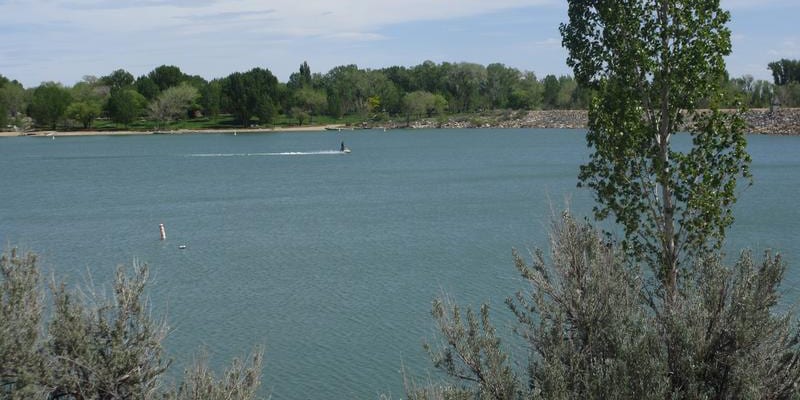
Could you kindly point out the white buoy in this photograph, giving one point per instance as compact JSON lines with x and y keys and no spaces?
{"x":162,"y":231}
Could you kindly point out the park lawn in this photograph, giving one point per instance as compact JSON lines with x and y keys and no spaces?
{"x":223,"y":121}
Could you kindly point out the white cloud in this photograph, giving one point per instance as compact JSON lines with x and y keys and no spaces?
{"x":789,"y":48}
{"x":310,"y":15}
{"x":746,"y":4}
{"x":355,"y":36}
{"x":549,"y":42}
{"x":94,"y":36}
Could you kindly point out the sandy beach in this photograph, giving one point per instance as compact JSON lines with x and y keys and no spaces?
{"x":310,"y":128}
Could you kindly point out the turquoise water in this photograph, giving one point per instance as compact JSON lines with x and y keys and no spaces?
{"x":330,"y":261}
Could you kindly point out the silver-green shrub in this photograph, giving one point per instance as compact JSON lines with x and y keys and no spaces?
{"x":593,"y":327}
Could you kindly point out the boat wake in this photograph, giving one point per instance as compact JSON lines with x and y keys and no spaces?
{"x":287,"y":153}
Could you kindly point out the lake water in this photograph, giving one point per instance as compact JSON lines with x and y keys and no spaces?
{"x":331,"y":261}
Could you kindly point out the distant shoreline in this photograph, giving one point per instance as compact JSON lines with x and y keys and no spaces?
{"x":759,"y":121}
{"x":310,"y":128}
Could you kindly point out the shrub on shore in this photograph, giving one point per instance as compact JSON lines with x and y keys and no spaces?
{"x":593,"y":330}
{"x":95,"y":347}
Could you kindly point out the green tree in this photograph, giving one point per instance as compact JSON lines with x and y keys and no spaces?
{"x":251,"y":94}
{"x":651,"y":64}
{"x":299,"y":114}
{"x":422,"y":104}
{"x":301,"y":79}
{"x":670,"y":203}
{"x":49,"y":104}
{"x":90,"y":89}
{"x":415,"y":104}
{"x":167,"y":76}
{"x":429,"y":77}
{"x":89,"y":96}
{"x":84,"y":112}
{"x":379,"y":86}
{"x":526,"y":93}
{"x":119,"y":79}
{"x":566,"y":93}
{"x":551,"y":89}
{"x":400,"y":76}
{"x":125,"y":105}
{"x":146,"y":87}
{"x":173,"y":103}
{"x":500,"y":82}
{"x":5,"y":101}
{"x":211,"y":98}
{"x":789,"y":94}
{"x":785,"y":71}
{"x":347,"y":89}
{"x":311,"y":101}
{"x":12,"y":99}
{"x":465,"y":82}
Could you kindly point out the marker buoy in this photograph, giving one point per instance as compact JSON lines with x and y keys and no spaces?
{"x":162,"y":231}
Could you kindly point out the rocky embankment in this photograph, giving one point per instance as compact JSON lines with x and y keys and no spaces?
{"x":779,"y":122}
{"x":759,"y":121}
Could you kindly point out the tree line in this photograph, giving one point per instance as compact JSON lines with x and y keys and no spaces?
{"x":256,"y":97}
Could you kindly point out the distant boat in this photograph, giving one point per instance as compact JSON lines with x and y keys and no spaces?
{"x":344,"y":149}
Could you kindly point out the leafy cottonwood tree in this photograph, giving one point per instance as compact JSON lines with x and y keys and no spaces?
{"x":49,"y":103}
{"x":785,"y":71}
{"x":211,"y":98}
{"x":310,"y":101}
{"x":527,"y":92}
{"x":651,"y":63}
{"x":125,"y":105}
{"x":251,"y":94}
{"x":84,"y":112}
{"x":422,"y":104}
{"x":301,"y":79}
{"x":118,"y":79}
{"x":4,"y":112}
{"x":166,"y":76}
{"x":12,"y":101}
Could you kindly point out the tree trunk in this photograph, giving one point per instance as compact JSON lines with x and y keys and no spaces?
{"x":668,"y":257}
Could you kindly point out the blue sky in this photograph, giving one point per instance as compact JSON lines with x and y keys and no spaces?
{"x":63,"y":40}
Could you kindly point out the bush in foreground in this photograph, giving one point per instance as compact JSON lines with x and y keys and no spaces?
{"x":593,"y":331}
{"x":95,"y":347}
